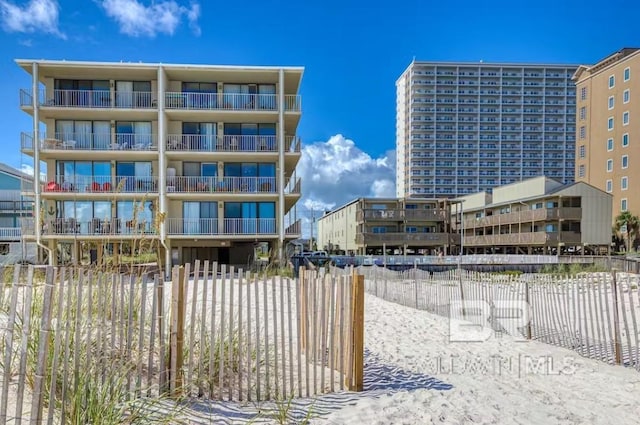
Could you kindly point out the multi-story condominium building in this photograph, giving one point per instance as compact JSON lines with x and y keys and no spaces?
{"x":370,"y":225}
{"x":536,"y":216}
{"x":462,"y":128}
{"x":607,"y":154}
{"x":198,"y":158}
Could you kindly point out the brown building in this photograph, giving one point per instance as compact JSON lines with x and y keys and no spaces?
{"x":608,"y":108}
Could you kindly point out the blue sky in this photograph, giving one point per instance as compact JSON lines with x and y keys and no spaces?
{"x":353,"y":53}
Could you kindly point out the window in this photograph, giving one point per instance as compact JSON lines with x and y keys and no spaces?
{"x":610,"y":123}
{"x":625,"y":118}
{"x":84,"y":135}
{"x":611,"y":102}
{"x":583,"y":151}
{"x":583,"y":93}
{"x":624,"y":183}
{"x":625,"y":140}
{"x":583,"y":113}
{"x":609,"y":185}
{"x":627,"y":74}
{"x":581,"y":171}
{"x":609,"y":144}
{"x":133,"y":94}
{"x":583,"y":132}
{"x":623,"y":204}
{"x":612,"y":81}
{"x":609,"y":165}
{"x":625,"y":96}
{"x":625,"y":161}
{"x":4,"y":249}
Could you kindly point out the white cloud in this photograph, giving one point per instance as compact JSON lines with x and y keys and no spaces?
{"x":27,"y":169}
{"x":35,"y":16}
{"x":337,"y":171}
{"x":137,"y":19}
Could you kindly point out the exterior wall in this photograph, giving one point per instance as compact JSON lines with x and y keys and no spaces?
{"x":338,"y":228}
{"x":593,"y":151}
{"x":9,"y":182}
{"x":476,"y":200}
{"x":597,"y":213}
{"x":533,"y":187}
{"x":470,"y":127}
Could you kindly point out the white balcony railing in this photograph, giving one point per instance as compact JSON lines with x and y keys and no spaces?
{"x":10,"y":233}
{"x":226,"y":226}
{"x":60,"y":98}
{"x":101,"y":184}
{"x":92,"y":142}
{"x":97,"y":226}
{"x":224,"y":143}
{"x":221,"y":101}
{"x":222,"y":184}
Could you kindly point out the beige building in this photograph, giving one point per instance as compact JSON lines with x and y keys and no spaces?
{"x":608,"y":111}
{"x":199,"y":158}
{"x":367,"y":225}
{"x":537,"y":216}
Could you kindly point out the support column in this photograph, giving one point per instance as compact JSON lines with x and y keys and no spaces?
{"x":280,"y":168}
{"x":162,"y":166}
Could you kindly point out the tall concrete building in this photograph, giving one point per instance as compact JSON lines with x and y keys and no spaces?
{"x":199,"y":158}
{"x":607,"y":141}
{"x":463,"y":128}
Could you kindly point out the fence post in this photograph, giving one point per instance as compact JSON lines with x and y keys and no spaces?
{"x":302,"y":313}
{"x":357,"y":326}
{"x":527,"y":302}
{"x":616,"y":324}
{"x":176,"y":332}
{"x":43,"y":347}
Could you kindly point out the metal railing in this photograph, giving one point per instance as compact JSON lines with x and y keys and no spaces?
{"x":292,"y":103}
{"x":221,"y":101}
{"x":10,"y":233}
{"x":92,"y":142}
{"x":225,"y":143}
{"x":294,"y":229}
{"x":401,"y":214}
{"x":100,"y":184}
{"x":294,"y":187}
{"x":526,"y":216}
{"x":225,"y":226}
{"x":62,"y":98}
{"x":97,"y":226}
{"x":222,"y":184}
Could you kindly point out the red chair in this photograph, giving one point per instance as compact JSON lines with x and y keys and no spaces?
{"x":95,"y":187}
{"x":106,"y":187}
{"x":53,"y":187}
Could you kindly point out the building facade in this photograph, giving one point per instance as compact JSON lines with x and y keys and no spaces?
{"x":371,"y":225}
{"x":199,"y":159}
{"x":463,"y":128}
{"x":606,"y":156}
{"x":536,"y":216}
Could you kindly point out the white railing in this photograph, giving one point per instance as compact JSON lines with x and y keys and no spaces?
{"x":292,"y":143}
{"x":249,"y":226}
{"x":92,"y":142}
{"x":135,"y":100}
{"x":100,"y":184}
{"x":221,"y":101}
{"x":10,"y":233}
{"x":26,"y":141}
{"x":89,"y":99}
{"x":192,"y":226}
{"x":97,"y":226}
{"x":211,"y":143}
{"x":231,"y":226}
{"x":293,"y":187}
{"x":292,"y":103}
{"x":222,"y":184}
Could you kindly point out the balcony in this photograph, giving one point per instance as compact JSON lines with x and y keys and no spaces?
{"x":96,"y":227}
{"x":527,"y":216}
{"x":187,"y":184}
{"x":92,"y":142}
{"x":100,"y":99}
{"x":529,"y":238}
{"x":101,"y":184}
{"x":401,"y":214}
{"x":411,"y":239}
{"x":226,"y":226}
{"x":293,"y":187}
{"x":294,"y":230}
{"x":229,"y":143}
{"x":10,"y":233}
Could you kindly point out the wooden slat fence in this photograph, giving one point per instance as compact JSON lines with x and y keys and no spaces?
{"x":225,"y":335}
{"x":594,"y":314}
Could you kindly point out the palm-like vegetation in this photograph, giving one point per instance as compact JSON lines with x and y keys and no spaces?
{"x":630,"y":224}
